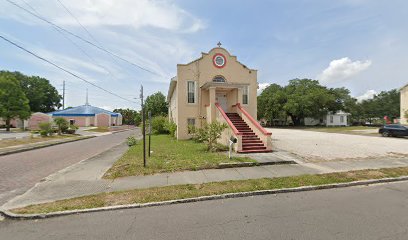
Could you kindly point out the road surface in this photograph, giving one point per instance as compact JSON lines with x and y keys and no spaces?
{"x":369,"y":212}
{"x":21,"y":171}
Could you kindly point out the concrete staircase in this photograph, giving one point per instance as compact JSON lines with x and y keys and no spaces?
{"x":251,"y":143}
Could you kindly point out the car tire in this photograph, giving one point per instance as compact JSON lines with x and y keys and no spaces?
{"x":386,"y":134}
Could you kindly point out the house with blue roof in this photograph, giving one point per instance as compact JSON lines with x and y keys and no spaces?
{"x":88,"y":116}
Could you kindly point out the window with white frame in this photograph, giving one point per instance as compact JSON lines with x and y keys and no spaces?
{"x":245,"y":92}
{"x":191,"y":91}
{"x":331,"y":119}
{"x":342,"y":119}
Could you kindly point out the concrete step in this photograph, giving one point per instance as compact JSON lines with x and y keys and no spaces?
{"x":255,"y":151}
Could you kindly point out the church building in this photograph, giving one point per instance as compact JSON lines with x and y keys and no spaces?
{"x":217,"y":87}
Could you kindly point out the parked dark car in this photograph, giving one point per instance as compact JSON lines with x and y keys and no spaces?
{"x":393,"y":130}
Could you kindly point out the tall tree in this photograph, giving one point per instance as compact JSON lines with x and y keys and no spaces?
{"x":307,"y":98}
{"x":156,"y":103}
{"x":129,"y":116}
{"x":271,"y":102}
{"x":42,"y":96}
{"x":386,"y":103}
{"x":13,"y":102}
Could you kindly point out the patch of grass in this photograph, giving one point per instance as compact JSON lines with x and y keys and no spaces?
{"x":99,"y":129}
{"x":196,"y":190}
{"x":168,"y":155}
{"x":23,"y":141}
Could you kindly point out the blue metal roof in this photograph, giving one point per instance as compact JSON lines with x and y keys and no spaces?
{"x":82,"y":111}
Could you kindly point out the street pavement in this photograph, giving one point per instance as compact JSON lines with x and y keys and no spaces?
{"x":21,"y":171}
{"x":367,"y":212}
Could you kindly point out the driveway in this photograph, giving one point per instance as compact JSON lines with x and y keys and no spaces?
{"x":21,"y":171}
{"x":320,"y":146}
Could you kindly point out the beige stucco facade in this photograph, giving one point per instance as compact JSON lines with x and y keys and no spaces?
{"x":228,"y":84}
{"x":404,"y":104}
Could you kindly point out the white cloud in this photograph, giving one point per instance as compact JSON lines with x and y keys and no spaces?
{"x":262,"y":87}
{"x":367,"y":95}
{"x":95,"y":13}
{"x":342,"y":69}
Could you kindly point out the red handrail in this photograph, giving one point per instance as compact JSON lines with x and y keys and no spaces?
{"x":234,"y":129}
{"x":257,"y":125}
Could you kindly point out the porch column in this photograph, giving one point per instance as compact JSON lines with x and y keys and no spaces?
{"x":239,"y":95}
{"x":212,"y":116}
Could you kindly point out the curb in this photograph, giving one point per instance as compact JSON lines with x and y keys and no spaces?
{"x":11,"y":215}
{"x":252,"y":164}
{"x":43,"y":146}
{"x":123,"y":130}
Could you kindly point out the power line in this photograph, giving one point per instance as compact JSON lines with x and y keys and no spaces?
{"x":76,"y":19}
{"x":73,"y":43}
{"x":63,"y":69}
{"x":82,"y":39}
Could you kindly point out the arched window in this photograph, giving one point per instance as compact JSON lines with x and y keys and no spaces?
{"x":219,"y":79}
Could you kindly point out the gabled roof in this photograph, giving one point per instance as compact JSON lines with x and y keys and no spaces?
{"x":212,"y":50}
{"x":82,"y":111}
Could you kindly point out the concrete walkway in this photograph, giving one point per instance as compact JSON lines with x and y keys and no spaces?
{"x":85,"y":178}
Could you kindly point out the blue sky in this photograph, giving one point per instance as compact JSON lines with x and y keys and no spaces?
{"x":358,"y":44}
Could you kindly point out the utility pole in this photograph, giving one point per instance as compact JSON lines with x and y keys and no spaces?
{"x":143,"y":127}
{"x":150,"y":129}
{"x":63,"y":95}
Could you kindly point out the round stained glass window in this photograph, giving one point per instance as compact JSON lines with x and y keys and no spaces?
{"x":219,"y":60}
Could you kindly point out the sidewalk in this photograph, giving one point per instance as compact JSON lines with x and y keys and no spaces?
{"x":84,"y":178}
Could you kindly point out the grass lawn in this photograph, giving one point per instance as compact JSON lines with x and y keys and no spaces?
{"x":98,"y":129}
{"x":196,"y":190}
{"x":168,"y":155}
{"x":22,"y":141}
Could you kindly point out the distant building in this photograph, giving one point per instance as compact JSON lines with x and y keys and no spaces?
{"x":339,"y":118}
{"x":87,"y":116}
{"x":404,"y":104}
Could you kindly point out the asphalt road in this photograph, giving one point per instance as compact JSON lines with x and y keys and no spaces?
{"x":369,"y":212}
{"x":21,"y":171}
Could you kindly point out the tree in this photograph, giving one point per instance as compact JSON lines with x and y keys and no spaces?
{"x":62,"y":124}
{"x":129,"y":116}
{"x":307,"y":98}
{"x":386,"y":103}
{"x":271,"y":102}
{"x":156,"y":103}
{"x":13,"y":102}
{"x":302,"y":98}
{"x":42,"y":96}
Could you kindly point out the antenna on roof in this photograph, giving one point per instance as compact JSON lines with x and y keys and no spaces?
{"x":87,"y":103}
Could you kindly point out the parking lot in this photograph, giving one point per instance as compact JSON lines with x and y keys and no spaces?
{"x":321,"y":146}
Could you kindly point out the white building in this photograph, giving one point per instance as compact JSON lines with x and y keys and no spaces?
{"x":339,"y":118}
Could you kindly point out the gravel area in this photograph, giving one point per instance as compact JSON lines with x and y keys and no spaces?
{"x":321,"y":146}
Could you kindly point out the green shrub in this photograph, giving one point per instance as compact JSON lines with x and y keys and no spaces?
{"x":62,"y":124}
{"x":209,"y":134}
{"x":45,"y":128}
{"x":43,"y":133}
{"x":159,"y":125}
{"x":131,"y":141}
{"x":171,"y":127}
